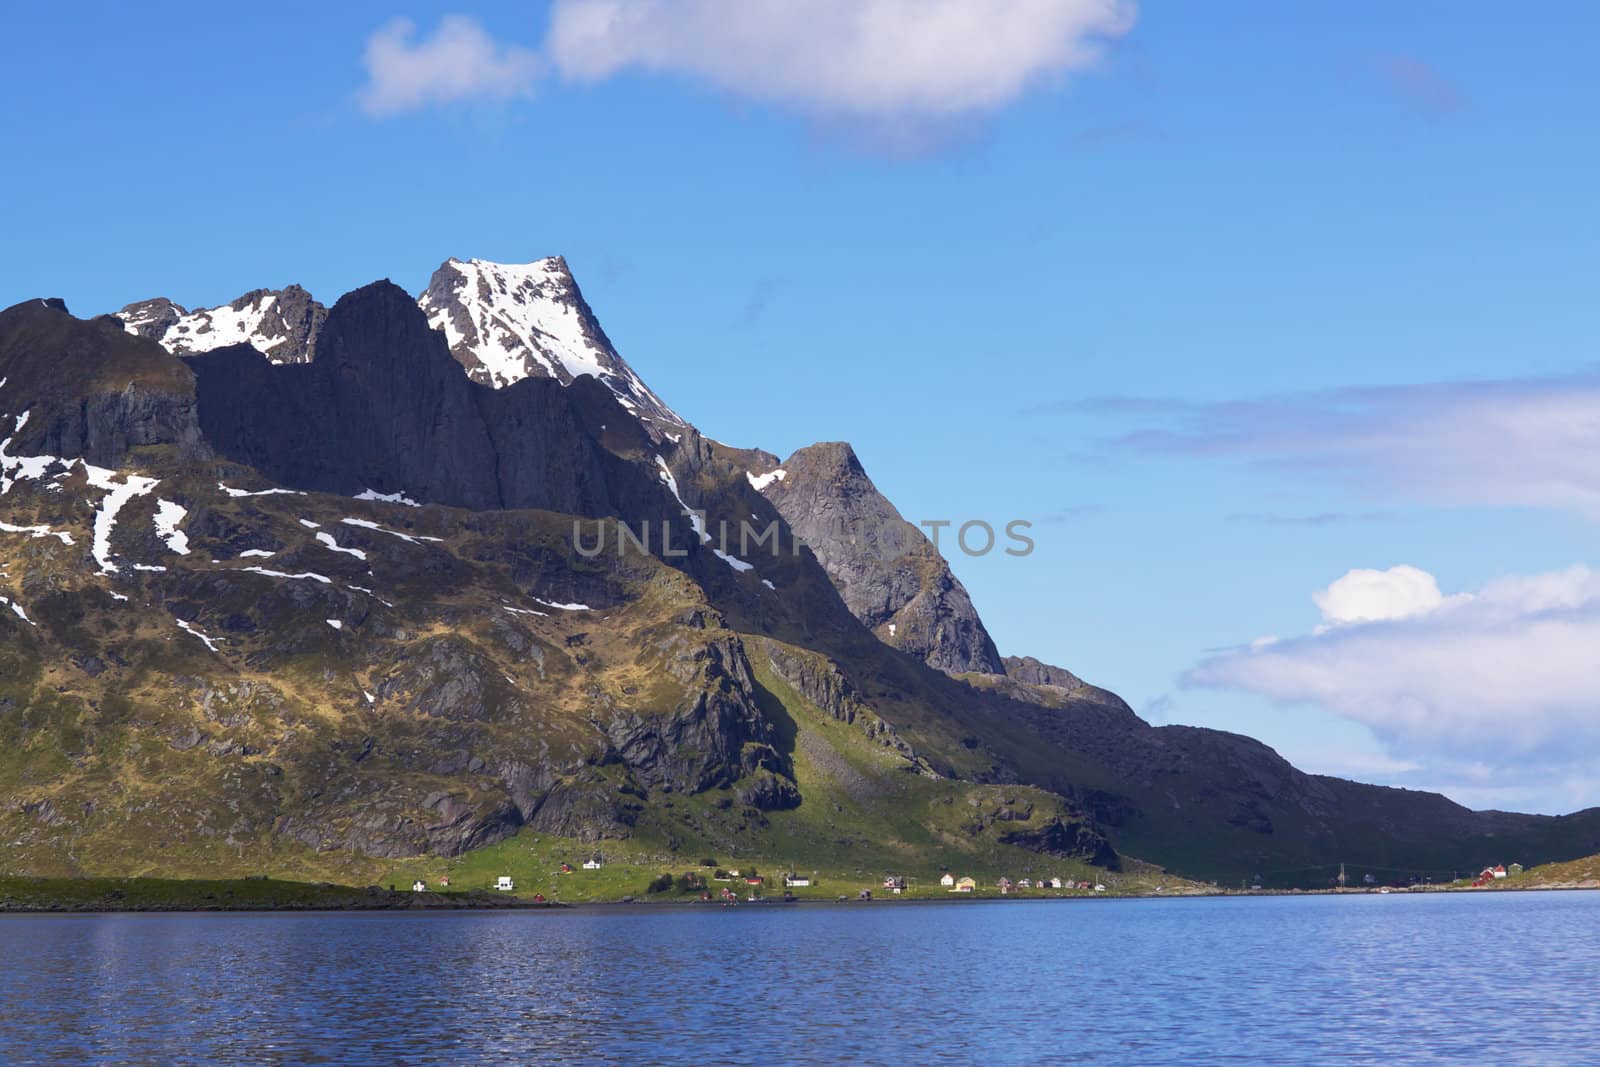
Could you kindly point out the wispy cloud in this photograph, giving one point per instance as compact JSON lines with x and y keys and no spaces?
{"x":1516,"y":442}
{"x":1503,"y":679}
{"x":460,"y":61}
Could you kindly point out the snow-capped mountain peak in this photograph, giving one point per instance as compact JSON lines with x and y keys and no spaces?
{"x":506,"y":322}
{"x":281,"y":324}
{"x":503,"y":321}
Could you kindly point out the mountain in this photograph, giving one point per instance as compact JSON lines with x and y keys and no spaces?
{"x":324,"y":617}
{"x":281,"y":324}
{"x":506,"y":323}
{"x":889,"y":573}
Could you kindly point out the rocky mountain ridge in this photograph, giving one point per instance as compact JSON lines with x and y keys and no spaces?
{"x":337,"y":609}
{"x":508,"y":323}
{"x":281,"y":324}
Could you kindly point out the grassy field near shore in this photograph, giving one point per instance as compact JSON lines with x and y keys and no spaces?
{"x":234,"y":894}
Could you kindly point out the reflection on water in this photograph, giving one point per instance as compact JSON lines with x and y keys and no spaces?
{"x":1373,"y":979}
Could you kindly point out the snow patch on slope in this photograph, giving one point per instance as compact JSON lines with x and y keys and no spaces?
{"x":17,"y":610}
{"x":281,"y":325}
{"x":334,"y":546}
{"x":558,"y":606}
{"x":37,"y":531}
{"x":697,"y":520}
{"x":759,"y":482}
{"x":368,"y":524}
{"x":206,"y":329}
{"x":259,"y":492}
{"x":168,"y":515}
{"x":188,"y":629}
{"x":306,"y":575}
{"x":118,"y":494}
{"x":387,"y":498}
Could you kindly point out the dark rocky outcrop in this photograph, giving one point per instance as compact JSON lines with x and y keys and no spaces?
{"x":716,"y":738}
{"x":91,"y":390}
{"x":1030,"y":671}
{"x":890,"y":575}
{"x":1076,"y":839}
{"x":385,"y":407}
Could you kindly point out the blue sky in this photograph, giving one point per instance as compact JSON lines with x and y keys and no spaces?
{"x":1124,"y":298}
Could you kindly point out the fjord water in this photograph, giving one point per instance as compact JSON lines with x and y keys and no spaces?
{"x":1306,"y":980}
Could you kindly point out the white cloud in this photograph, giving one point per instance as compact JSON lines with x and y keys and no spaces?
{"x":1507,"y":678}
{"x":1368,"y":596}
{"x":459,"y":62}
{"x":877,"y":60}
{"x":1520,"y":442}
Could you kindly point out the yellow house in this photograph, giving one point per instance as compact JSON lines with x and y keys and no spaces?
{"x":965,"y":885}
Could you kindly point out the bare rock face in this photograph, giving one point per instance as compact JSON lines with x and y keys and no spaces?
{"x":385,"y":407}
{"x":1067,"y":839}
{"x":890,"y":575}
{"x":90,"y":390}
{"x":281,"y":324}
{"x":1030,"y":671}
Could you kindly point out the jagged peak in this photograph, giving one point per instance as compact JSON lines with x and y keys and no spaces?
{"x":281,"y":324}
{"x":510,"y":321}
{"x":503,"y":322}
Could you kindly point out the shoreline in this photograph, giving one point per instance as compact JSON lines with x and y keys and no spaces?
{"x":69,"y":896}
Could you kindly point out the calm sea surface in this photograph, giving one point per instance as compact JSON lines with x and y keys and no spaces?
{"x":1509,"y":978}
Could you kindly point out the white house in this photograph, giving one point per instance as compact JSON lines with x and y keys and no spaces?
{"x":419,"y":886}
{"x":591,"y":865}
{"x":796,"y":881}
{"x":948,"y":880}
{"x":505,"y":884}
{"x":1055,"y":883}
{"x":1098,"y":888}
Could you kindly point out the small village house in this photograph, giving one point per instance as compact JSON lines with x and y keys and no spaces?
{"x":795,"y":881}
{"x":504,"y":884}
{"x":1055,"y":883}
{"x":948,"y":880}
{"x":592,"y":865}
{"x":965,"y":885}
{"x":419,"y":886}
